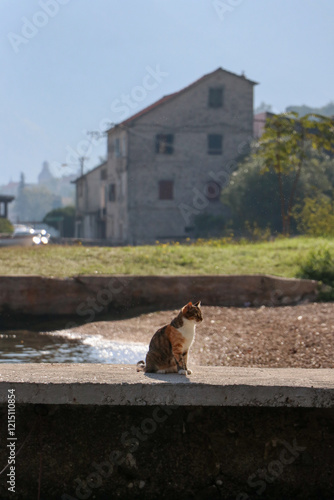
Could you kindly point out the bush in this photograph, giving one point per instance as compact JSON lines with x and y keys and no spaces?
{"x":319,"y":265}
{"x":6,"y":226}
{"x":208,"y":226}
{"x":256,"y":233}
{"x":316,"y":218}
{"x":62,"y":219}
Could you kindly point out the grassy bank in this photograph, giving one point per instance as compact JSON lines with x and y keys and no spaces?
{"x":280,"y":257}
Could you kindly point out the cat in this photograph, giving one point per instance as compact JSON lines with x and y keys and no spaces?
{"x":169,"y":346}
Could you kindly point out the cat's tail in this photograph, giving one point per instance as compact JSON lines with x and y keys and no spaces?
{"x":141,"y":366}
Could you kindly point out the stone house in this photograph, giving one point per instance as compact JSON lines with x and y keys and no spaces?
{"x":168,"y":163}
{"x":91,"y":203}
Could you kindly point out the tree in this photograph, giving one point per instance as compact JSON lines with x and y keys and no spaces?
{"x":252,"y":195}
{"x":284,"y":147}
{"x":6,"y":226}
{"x":316,"y":216}
{"x":62,"y":219}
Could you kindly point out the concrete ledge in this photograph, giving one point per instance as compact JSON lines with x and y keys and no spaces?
{"x":121,"y":385}
{"x":85,"y":296}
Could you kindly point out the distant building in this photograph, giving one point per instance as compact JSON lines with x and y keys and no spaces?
{"x":91,"y":203}
{"x":168,"y":163}
{"x":45,"y":175}
{"x":62,"y":192}
{"x":260,"y":121}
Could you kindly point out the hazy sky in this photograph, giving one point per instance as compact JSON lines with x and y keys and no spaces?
{"x":72,"y":66}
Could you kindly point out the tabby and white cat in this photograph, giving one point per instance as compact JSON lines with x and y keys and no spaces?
{"x":169,"y":346}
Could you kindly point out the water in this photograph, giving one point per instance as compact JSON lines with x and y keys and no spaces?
{"x":21,"y":346}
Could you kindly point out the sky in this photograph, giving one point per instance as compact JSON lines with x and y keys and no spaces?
{"x":69,"y":67}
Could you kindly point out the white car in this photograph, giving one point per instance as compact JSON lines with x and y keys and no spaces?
{"x":24,"y":233}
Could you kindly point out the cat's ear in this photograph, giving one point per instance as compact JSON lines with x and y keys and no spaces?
{"x":186,"y":307}
{"x":198,"y":304}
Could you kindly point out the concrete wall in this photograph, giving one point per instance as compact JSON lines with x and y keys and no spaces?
{"x":87,"y":296}
{"x":101,"y":432}
{"x":199,"y":453}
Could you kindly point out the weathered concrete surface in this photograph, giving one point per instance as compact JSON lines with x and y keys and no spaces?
{"x":86,"y":296}
{"x":90,"y":384}
{"x":161,"y":452}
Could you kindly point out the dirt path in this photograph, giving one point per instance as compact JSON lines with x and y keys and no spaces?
{"x":300,"y":336}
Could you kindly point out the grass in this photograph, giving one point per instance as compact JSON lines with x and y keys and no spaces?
{"x":280,"y":257}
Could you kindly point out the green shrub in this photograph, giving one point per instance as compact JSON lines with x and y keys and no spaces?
{"x":208,"y":226}
{"x":316,"y":218}
{"x":62,"y":219}
{"x":319,"y":265}
{"x":256,"y":233}
{"x":6,"y":226}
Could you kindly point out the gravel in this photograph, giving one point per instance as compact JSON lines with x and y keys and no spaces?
{"x":291,"y":336}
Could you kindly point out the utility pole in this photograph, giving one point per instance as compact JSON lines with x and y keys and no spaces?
{"x":82,"y":162}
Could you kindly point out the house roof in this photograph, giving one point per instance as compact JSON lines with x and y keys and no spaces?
{"x":5,"y":198}
{"x":169,"y":97}
{"x":89,"y":172}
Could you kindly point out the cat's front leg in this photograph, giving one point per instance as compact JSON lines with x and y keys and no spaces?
{"x":185,"y":358}
{"x":181,"y":366}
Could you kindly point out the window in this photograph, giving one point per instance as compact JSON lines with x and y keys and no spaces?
{"x":117,"y":147}
{"x":215,"y":144}
{"x":164,"y":144}
{"x":112,"y":192}
{"x":103,"y":174}
{"x":216,"y":97}
{"x":166,"y":189}
{"x":80,"y":189}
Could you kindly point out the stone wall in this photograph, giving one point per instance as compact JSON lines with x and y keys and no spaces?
{"x":82,"y":452}
{"x":105,"y":431}
{"x":84,"y":296}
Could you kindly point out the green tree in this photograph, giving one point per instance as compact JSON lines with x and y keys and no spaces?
{"x":62,"y":219}
{"x":316,"y":216}
{"x":252,"y":195}
{"x":6,"y":226}
{"x":284,"y":147}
